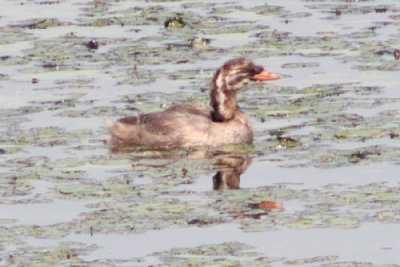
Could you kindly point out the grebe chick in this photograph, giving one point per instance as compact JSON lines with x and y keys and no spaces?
{"x":188,"y":125}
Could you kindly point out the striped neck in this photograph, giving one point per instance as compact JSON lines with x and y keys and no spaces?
{"x":223,"y":97}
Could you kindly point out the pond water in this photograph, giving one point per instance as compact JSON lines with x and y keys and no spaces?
{"x":319,"y":187}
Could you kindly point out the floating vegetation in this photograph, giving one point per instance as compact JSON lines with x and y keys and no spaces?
{"x":266,"y":9}
{"x":201,"y":42}
{"x":174,"y":22}
{"x":224,"y":254}
{"x":65,"y":253}
{"x":361,"y":134}
{"x":358,"y":156}
{"x":300,"y":65}
{"x":286,"y":142}
{"x":41,"y":23}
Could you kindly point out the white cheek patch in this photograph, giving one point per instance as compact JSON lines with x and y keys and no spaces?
{"x":221,"y":96}
{"x":238,"y":85}
{"x":220,"y":80}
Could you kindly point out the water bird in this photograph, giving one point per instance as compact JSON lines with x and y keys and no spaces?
{"x":220,"y":123}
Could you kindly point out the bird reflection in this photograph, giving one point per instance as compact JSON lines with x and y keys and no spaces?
{"x":229,"y":165}
{"x":229,"y":169}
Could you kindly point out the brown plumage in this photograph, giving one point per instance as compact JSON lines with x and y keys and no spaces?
{"x":188,"y":125}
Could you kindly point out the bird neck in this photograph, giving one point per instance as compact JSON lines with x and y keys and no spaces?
{"x":223,"y":100}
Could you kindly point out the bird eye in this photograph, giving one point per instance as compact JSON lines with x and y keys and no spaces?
{"x":253,"y":70}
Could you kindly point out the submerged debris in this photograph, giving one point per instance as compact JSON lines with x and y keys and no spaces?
{"x":358,"y":156}
{"x":396,"y":54}
{"x":174,"y":22}
{"x":381,"y":9}
{"x":92,"y":44}
{"x":286,"y":142}
{"x":266,"y":205}
{"x":199,"y":42}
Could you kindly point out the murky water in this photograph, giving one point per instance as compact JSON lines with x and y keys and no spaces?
{"x":320,"y":186}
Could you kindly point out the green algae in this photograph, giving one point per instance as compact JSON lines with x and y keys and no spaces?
{"x":52,"y":231}
{"x":44,"y":137}
{"x":60,"y":55}
{"x":359,"y":133}
{"x":321,"y":259}
{"x":67,"y":253}
{"x":316,"y":221}
{"x":357,"y":263}
{"x":15,"y":190}
{"x":224,"y":254}
{"x":141,"y":216}
{"x":41,"y":23}
{"x":266,"y":9}
{"x":285,"y":110}
{"x":300,"y":65}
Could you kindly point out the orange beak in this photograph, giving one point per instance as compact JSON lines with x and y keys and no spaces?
{"x":266,"y":76}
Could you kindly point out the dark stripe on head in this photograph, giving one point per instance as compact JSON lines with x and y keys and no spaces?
{"x":237,"y":80}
